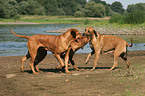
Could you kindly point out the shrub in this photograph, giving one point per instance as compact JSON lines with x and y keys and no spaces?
{"x":117,"y":18}
{"x":135,"y":17}
{"x":16,"y":17}
{"x":86,"y":22}
{"x":94,"y":10}
{"x":79,"y":14}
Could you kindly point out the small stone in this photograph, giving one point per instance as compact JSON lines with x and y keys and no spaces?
{"x":10,"y":75}
{"x":66,"y":80}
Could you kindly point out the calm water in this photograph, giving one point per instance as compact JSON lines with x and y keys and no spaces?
{"x":11,"y":45}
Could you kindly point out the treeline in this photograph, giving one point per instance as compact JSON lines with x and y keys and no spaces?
{"x":79,"y":8}
{"x":134,"y":14}
{"x":93,"y":8}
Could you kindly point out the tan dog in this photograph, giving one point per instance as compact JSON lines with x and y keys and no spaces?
{"x":38,"y":45}
{"x":106,"y":43}
{"x":75,"y":46}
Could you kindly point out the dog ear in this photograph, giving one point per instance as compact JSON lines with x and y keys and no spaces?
{"x":73,"y":33}
{"x":95,"y":33}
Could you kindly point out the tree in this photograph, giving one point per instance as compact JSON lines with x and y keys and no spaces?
{"x":94,"y":10}
{"x":117,"y":7}
{"x":99,"y":1}
{"x":31,"y":7}
{"x":135,"y":17}
{"x":8,"y":8}
{"x":81,"y":2}
{"x":108,"y":10}
{"x":68,"y":6}
{"x":135,"y":14}
{"x":138,"y":6}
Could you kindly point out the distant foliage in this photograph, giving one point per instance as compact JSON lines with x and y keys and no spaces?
{"x":8,"y":8}
{"x":117,"y":7}
{"x":135,"y":17}
{"x":135,"y":14}
{"x":79,"y":14}
{"x":86,"y":22}
{"x":117,"y":18}
{"x":138,"y":6}
{"x":93,"y":8}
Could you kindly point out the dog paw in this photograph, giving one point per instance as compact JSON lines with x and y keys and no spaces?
{"x":22,"y":70}
{"x":110,"y":69}
{"x":92,"y":69}
{"x":36,"y":73}
{"x":68,"y":72}
{"x":80,"y":69}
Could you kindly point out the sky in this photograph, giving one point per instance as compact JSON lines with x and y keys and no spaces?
{"x":125,"y":3}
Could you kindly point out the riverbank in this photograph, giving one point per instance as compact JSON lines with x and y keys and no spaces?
{"x":104,"y":27}
{"x":101,"y":25}
{"x":101,"y":82}
{"x":22,"y":23}
{"x":49,"y":19}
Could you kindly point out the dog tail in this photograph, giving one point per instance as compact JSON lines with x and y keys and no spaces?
{"x":131,"y":43}
{"x":19,"y":35}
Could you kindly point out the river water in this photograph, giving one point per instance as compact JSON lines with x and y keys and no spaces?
{"x":11,"y":45}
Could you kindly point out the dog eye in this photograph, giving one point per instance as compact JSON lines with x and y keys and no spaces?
{"x":85,"y":29}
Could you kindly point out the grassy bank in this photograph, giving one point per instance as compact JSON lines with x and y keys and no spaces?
{"x":104,"y":27}
{"x":101,"y":25}
{"x":51,"y":19}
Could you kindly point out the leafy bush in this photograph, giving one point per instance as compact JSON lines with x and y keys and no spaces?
{"x":135,"y":17}
{"x":86,"y":22}
{"x":117,"y":18}
{"x":79,"y":14}
{"x":16,"y":17}
{"x":94,"y":10}
{"x":8,"y":8}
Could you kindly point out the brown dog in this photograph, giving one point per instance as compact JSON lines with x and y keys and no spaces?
{"x":105,"y":43}
{"x":75,"y":46}
{"x":38,"y":45}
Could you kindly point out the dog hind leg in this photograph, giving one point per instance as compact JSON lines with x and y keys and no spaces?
{"x":41,"y":54}
{"x":22,"y":61}
{"x":124,"y":57}
{"x":32,"y":48}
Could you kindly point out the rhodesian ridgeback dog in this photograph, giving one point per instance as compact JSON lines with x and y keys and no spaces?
{"x":39,"y":44}
{"x":106,"y":43}
{"x":75,"y":46}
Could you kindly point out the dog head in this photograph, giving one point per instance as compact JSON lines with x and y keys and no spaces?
{"x":89,"y":31}
{"x":74,"y":34}
{"x":81,"y":42}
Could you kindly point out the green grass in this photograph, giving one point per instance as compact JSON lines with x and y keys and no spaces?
{"x":48,"y":19}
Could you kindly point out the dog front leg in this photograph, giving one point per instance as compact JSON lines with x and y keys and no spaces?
{"x":66,"y":61}
{"x":87,"y":60}
{"x":57,"y":56}
{"x":96,"y":60}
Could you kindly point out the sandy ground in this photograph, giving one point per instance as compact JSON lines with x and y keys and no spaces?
{"x":54,"y":82}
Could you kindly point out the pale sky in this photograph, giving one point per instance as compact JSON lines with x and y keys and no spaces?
{"x":125,"y":3}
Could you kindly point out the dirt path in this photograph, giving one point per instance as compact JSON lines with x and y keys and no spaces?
{"x":52,"y":82}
